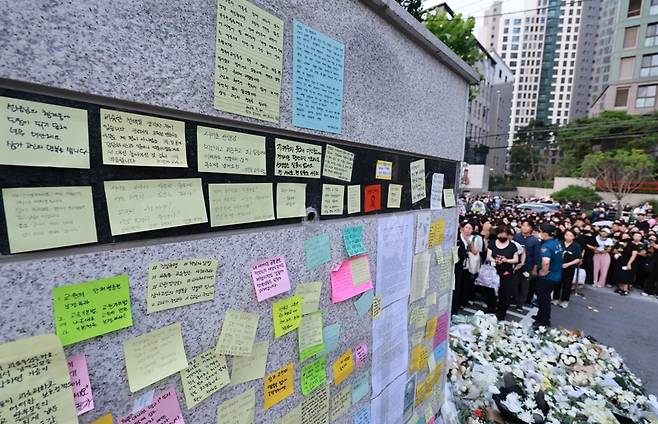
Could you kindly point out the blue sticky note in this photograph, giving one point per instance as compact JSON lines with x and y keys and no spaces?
{"x":353,"y":239}
{"x":362,"y":416}
{"x":364,"y":302}
{"x":360,"y":387}
{"x":318,"y":64}
{"x":330,"y":336}
{"x":440,"y":352}
{"x":318,"y":251}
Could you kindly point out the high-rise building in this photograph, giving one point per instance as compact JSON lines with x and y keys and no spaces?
{"x":489,"y":32}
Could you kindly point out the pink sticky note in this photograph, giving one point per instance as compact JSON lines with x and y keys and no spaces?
{"x":441,"y":332}
{"x":164,"y":409}
{"x":432,"y":420}
{"x":270,"y":277}
{"x":84,"y":400}
{"x":361,"y":354}
{"x":341,"y":283}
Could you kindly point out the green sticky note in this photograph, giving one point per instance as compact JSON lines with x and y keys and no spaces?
{"x":92,"y":308}
{"x":309,"y":336}
{"x":318,"y":251}
{"x":240,"y":203}
{"x":313,"y":375}
{"x":353,"y":239}
{"x":286,"y":314}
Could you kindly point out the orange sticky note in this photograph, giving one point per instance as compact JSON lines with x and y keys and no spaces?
{"x":343,"y":367}
{"x":372,"y":198}
{"x":418,"y":360}
{"x":430,"y":328}
{"x":278,"y":385}
{"x":105,"y":419}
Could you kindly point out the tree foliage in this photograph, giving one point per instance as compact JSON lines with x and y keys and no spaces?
{"x":574,"y":193}
{"x":456,"y":33}
{"x":414,"y":7}
{"x":528,"y":152}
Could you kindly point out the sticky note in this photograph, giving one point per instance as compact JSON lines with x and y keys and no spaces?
{"x":436,"y":192}
{"x":418,"y":316}
{"x":270,"y":277}
{"x":318,"y":251}
{"x":309,"y":336}
{"x":47,"y":217}
{"x":238,"y":410}
{"x":360,"y":387}
{"x":444,"y":302}
{"x":417,"y":174}
{"x":256,"y":40}
{"x":153,"y":356}
{"x":43,"y":134}
{"x":376,"y":307}
{"x":430,"y":299}
{"x":360,"y":268}
{"x":364,"y":302}
{"x":230,"y":152}
{"x":278,"y":385}
{"x":204,"y":375}
{"x":384,"y":170}
{"x":448,"y":197}
{"x":353,"y":199}
{"x":394,"y":197}
{"x":91,"y":308}
{"x":143,"y":401}
{"x":290,"y":200}
{"x":343,"y":280}
{"x":315,"y":408}
{"x":362,"y":416}
{"x":286,"y":315}
{"x":292,"y":417}
{"x":331,"y":337}
{"x":353,"y":239}
{"x":417,"y":338}
{"x":430,"y":327}
{"x":343,"y":367}
{"x":240,"y":203}
{"x":423,"y":224}
{"x":409,"y":393}
{"x":338,"y":163}
{"x":361,"y":354}
{"x":419,"y":276}
{"x":238,"y":332}
{"x":317,"y":80}
{"x":252,"y":367}
{"x":333,"y":198}
{"x":341,"y":402}
{"x":180,"y":283}
{"x":310,"y":293}
{"x":418,"y":361}
{"x":372,"y":198}
{"x":295,"y":159}
{"x":164,"y":409}
{"x":80,"y":384}
{"x":105,"y":419}
{"x":313,"y":375}
{"x":442,"y":325}
{"x":143,"y":205}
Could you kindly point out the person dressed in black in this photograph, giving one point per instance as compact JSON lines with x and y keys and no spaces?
{"x":587,"y":238}
{"x":625,"y":270}
{"x":571,"y":259}
{"x":504,"y":254}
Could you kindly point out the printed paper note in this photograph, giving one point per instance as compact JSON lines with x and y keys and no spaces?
{"x":47,"y":217}
{"x":238,"y":333}
{"x":436,"y":192}
{"x":448,"y":197}
{"x":361,"y":354}
{"x":417,"y":172}
{"x":154,"y":356}
{"x":364,"y":302}
{"x":205,"y":375}
{"x":343,"y":280}
{"x":419,"y":276}
{"x":376,"y":307}
{"x":353,"y":239}
{"x":92,"y":308}
{"x":341,"y":402}
{"x":240,"y":203}
{"x":318,"y":251}
{"x":292,"y":417}
{"x":353,"y":199}
{"x":362,"y":416}
{"x":360,"y":387}
{"x":252,"y":367}
{"x":286,"y":314}
{"x":372,"y":198}
{"x":164,"y":409}
{"x":270,"y":277}
{"x":409,"y":394}
{"x":309,"y":336}
{"x":238,"y":410}
{"x":278,"y":385}
{"x":389,"y":346}
{"x":394,"y":197}
{"x":179,"y":283}
{"x":387,"y":406}
{"x":315,"y":408}
{"x":295,"y":159}
{"x":143,"y":205}
{"x":230,"y":152}
{"x":423,"y":223}
{"x":80,"y":384}
{"x":42,"y":134}
{"x":343,"y":367}
{"x":310,"y":293}
{"x":290,"y":200}
{"x":313,"y":375}
{"x":384,"y":170}
{"x":338,"y":163}
{"x":394,"y":257}
{"x":331,"y":337}
{"x":333,"y":198}
{"x":248,"y":58}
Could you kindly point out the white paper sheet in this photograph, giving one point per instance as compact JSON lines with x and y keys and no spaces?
{"x":394,"y":255}
{"x":390,"y":350}
{"x":423,"y":221}
{"x":387,"y":408}
{"x":436,"y":193}
{"x":420,"y":276}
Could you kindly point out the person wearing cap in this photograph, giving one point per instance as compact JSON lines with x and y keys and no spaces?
{"x":549,"y":272}
{"x":601,"y":257}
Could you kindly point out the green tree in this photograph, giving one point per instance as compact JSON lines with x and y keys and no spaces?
{"x":576,"y":193}
{"x":527,"y":154}
{"x":456,"y":33}
{"x":414,"y":7}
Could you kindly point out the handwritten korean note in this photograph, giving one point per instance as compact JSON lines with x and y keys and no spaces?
{"x":179,"y":283}
{"x":295,"y":159}
{"x":384,"y":170}
{"x":240,"y":203}
{"x":248,"y":58}
{"x":309,"y":336}
{"x":317,"y":80}
{"x":394,"y":197}
{"x":331,"y":337}
{"x":82,"y":394}
{"x":346,"y":283}
{"x":47,"y":217}
{"x":28,"y":366}
{"x":164,"y":409}
{"x":333,"y":198}
{"x":361,"y":354}
{"x":310,"y":293}
{"x":343,"y":367}
{"x":230,"y":152}
{"x":278,"y":385}
{"x":372,"y":198}
{"x":252,"y":367}
{"x":92,"y":308}
{"x":417,"y":172}
{"x":423,"y":223}
{"x":353,"y":239}
{"x":360,"y":387}
{"x":441,"y":333}
{"x":318,"y":251}
{"x":141,"y":140}
{"x":290,"y":200}
{"x":360,"y":268}
{"x":353,"y":199}
{"x":292,"y":417}
{"x":430,"y":299}
{"x":315,"y":408}
{"x":362,"y":416}
{"x":238,"y":410}
{"x":436,"y":192}
{"x":43,"y":134}
{"x":238,"y":332}
{"x":153,"y":356}
{"x":143,"y":205}
{"x":341,"y":402}
{"x":376,"y":307}
{"x":419,"y":276}
{"x":418,"y":316}
{"x":418,"y":360}
{"x":338,"y":163}
{"x":313,"y":375}
{"x":270,"y":277}
{"x":204,"y":375}
{"x":430,"y":327}
{"x":287,"y":315}
{"x":448,"y":198}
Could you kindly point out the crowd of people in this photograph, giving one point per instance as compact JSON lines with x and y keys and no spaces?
{"x":539,"y":257}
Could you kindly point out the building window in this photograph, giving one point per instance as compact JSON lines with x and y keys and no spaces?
{"x":634,"y":8}
{"x":653,"y":10}
{"x":630,"y":37}
{"x":646,"y":96}
{"x":649,"y":65}
{"x":626,"y":66}
{"x":621,"y":98}
{"x":652,"y":35}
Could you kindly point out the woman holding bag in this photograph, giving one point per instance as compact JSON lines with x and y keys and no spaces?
{"x":504,"y":254}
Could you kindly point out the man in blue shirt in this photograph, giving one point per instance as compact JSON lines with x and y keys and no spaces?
{"x":531,"y":246}
{"x":549,"y":272}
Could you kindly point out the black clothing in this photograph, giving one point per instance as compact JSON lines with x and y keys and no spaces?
{"x":505,"y":272}
{"x":544,"y":288}
{"x":563,"y":291}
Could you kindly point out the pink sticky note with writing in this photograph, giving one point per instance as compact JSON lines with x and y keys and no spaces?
{"x":342,"y":287}
{"x":84,"y":400}
{"x":164,"y":409}
{"x":270,"y":277}
{"x":361,"y":354}
{"x":441,"y":332}
{"x":432,"y":420}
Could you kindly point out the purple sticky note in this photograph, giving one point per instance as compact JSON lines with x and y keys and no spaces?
{"x":84,"y":400}
{"x":270,"y":277}
{"x":164,"y":409}
{"x":361,"y":354}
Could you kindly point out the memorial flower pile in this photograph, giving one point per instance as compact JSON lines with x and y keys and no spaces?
{"x":503,"y":372}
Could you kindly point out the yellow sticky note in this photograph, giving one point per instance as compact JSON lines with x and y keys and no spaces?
{"x":309,"y":336}
{"x":341,"y":402}
{"x":239,"y":409}
{"x":295,"y":159}
{"x":448,"y":197}
{"x":353,"y":199}
{"x":333,"y":197}
{"x":143,"y":205}
{"x":394,"y":196}
{"x":417,"y":337}
{"x":252,"y":367}
{"x":376,"y":307}
{"x":315,"y":408}
{"x":230,"y":152}
{"x":418,"y":316}
{"x":440,"y":232}
{"x":43,"y":134}
{"x":286,"y":315}
{"x":338,"y":163}
{"x":179,"y":283}
{"x":430,"y":328}
{"x":240,"y":203}
{"x":278,"y":385}
{"x":238,"y":333}
{"x":419,"y":355}
{"x":154,"y":356}
{"x":28,"y":367}
{"x":384,"y":170}
{"x":430,"y":299}
{"x":432,"y":235}
{"x":47,"y":217}
{"x":343,"y":367}
{"x":205,"y":375}
{"x":290,"y":200}
{"x":360,"y":268}
{"x":292,"y":417}
{"x":105,"y":419}
{"x":310,"y":293}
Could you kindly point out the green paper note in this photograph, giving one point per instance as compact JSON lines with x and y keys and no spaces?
{"x":309,"y":336}
{"x":313,"y":375}
{"x":240,"y":203}
{"x":394,"y":196}
{"x":290,"y":200}
{"x":318,"y":251}
{"x":286,"y":315}
{"x":230,"y":152}
{"x":310,"y":293}
{"x":353,"y":239}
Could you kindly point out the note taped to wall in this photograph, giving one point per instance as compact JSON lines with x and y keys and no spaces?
{"x":313,"y":375}
{"x":252,"y":367}
{"x":91,"y":308}
{"x":43,"y":134}
{"x":353,"y":199}
{"x":270,"y":277}
{"x":179,"y":283}
{"x":238,"y":332}
{"x":343,"y":367}
{"x":345,"y":283}
{"x":141,"y":140}
{"x":278,"y":385}
{"x":295,"y":159}
{"x":164,"y":409}
{"x":417,"y":172}
{"x":384,"y":170}
{"x":310,"y":336}
{"x":238,"y":410}
{"x":315,"y":408}
{"x":290,"y":200}
{"x":80,"y":384}
{"x":240,"y":203}
{"x":205,"y":375}
{"x":372,"y":198}
{"x":394,"y":197}
{"x":448,"y":197}
{"x":47,"y":217}
{"x":436,"y":192}
{"x":230,"y":152}
{"x":143,"y":205}
{"x":338,"y":163}
{"x":286,"y":314}
{"x":333,"y":199}
{"x":248,"y":58}
{"x":310,"y":293}
{"x":28,"y":366}
{"x":318,"y":251}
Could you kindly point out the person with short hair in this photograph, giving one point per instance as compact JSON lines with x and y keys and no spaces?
{"x":571,"y":260}
{"x":549,"y":273}
{"x":504,"y":254}
{"x":601,"y":257}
